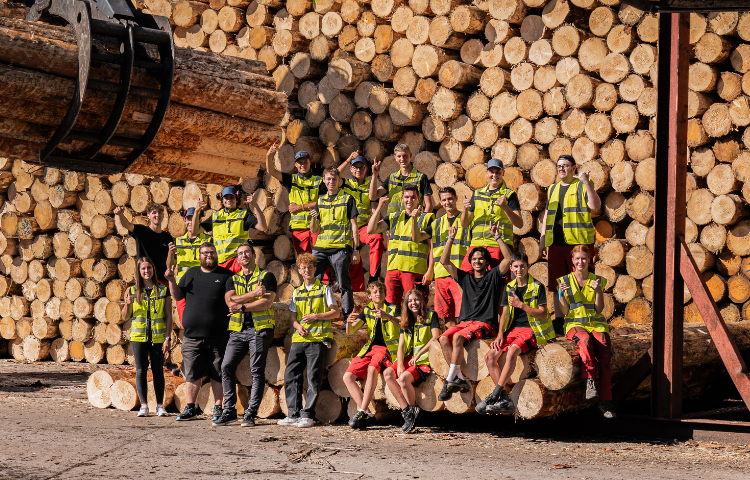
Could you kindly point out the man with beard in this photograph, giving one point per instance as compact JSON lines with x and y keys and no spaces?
{"x":205,"y":320}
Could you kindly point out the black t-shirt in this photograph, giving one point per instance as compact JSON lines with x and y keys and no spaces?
{"x":286,"y":182}
{"x":558,"y":238}
{"x":481,"y":296}
{"x":250,"y":222}
{"x":351,"y":212}
{"x":154,"y":246}
{"x":268,"y":281}
{"x":206,"y":312}
{"x":512,"y":200}
{"x":520,"y":318}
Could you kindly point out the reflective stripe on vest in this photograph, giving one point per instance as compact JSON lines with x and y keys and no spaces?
{"x":418,"y":338}
{"x":395,"y":185}
{"x":335,"y":226}
{"x":460,"y":246}
{"x":542,"y":328}
{"x":312,"y":301}
{"x":188,"y":252}
{"x":361,"y":194}
{"x":228,"y":231}
{"x":243,"y":284}
{"x":582,"y":301}
{"x":153,"y":303}
{"x":390,"y":330}
{"x":304,"y":190}
{"x":485,"y":211}
{"x":404,"y":254}
{"x":578,"y":228}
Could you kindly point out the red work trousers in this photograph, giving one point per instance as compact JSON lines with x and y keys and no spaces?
{"x":377,"y":248}
{"x":303,"y":241}
{"x":594,"y":349}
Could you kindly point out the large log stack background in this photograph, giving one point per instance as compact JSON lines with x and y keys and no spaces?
{"x":461,"y":82}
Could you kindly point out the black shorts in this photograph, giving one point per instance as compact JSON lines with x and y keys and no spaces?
{"x":203,"y":356}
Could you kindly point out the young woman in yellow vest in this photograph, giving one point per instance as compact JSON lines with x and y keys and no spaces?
{"x":525,"y":325}
{"x":230,"y":226}
{"x":581,"y":301}
{"x":418,"y":326}
{"x":149,"y":306}
{"x":376,"y":356}
{"x":394,"y":184}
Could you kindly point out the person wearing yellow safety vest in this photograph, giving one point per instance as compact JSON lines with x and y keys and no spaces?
{"x":376,"y":356}
{"x":493,"y":203}
{"x":567,"y":222}
{"x":251,"y":332}
{"x":304,"y":189}
{"x":151,"y":240}
{"x":394,"y":184}
{"x":314,"y":307}
{"x":525,"y":326}
{"x":447,"y":293}
{"x":359,"y":187}
{"x":230,"y":226}
{"x":582,"y":302}
{"x":334,"y":220}
{"x":408,"y":261}
{"x":148,"y":306}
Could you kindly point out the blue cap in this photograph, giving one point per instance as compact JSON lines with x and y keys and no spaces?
{"x":360,"y":159}
{"x":495,"y":163}
{"x":229,"y":191}
{"x":301,"y":154}
{"x":189,"y":212}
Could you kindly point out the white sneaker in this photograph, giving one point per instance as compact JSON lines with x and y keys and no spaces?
{"x":305,"y":422}
{"x":161,"y":411}
{"x":288,"y":421}
{"x":143,"y":412}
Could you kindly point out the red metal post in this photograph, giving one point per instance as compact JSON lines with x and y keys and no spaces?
{"x":669,"y":214}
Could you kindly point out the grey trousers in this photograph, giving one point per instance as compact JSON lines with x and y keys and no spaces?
{"x":341,"y":262}
{"x":304,"y":354}
{"x":240,"y":343}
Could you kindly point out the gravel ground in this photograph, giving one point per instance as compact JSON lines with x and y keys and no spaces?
{"x":50,"y":431}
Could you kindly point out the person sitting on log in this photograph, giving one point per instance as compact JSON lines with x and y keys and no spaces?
{"x":482,"y":289}
{"x":447,"y":293}
{"x":376,"y":356}
{"x":418,"y":326}
{"x":151,"y":240}
{"x":394,"y":184}
{"x":359,"y":187}
{"x":526,"y":326}
{"x":315,"y":307}
{"x":581,"y":301}
{"x":230,"y":226}
{"x":251,"y":331}
{"x":408,"y":260}
{"x":304,"y":189}
{"x":493,"y":203}
{"x":334,"y":224}
{"x":567,"y":223}
{"x":149,"y":306}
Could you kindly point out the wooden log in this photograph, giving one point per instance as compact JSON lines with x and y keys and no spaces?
{"x":472,"y":363}
{"x":123,"y":394}
{"x":533,"y":400}
{"x":427,"y":393}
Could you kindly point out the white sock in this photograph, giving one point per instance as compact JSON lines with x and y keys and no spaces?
{"x":452,"y":372}
{"x":361,"y":410}
{"x":370,"y":415}
{"x":459,"y":374}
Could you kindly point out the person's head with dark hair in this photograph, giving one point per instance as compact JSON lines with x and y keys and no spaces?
{"x":566,"y":168}
{"x":146,"y":276}
{"x":519,"y":265}
{"x":302,"y":162}
{"x":480,"y":259}
{"x":332,"y":180}
{"x":155,"y":215}
{"x":246,"y":255}
{"x":208,"y":256}
{"x":448,"y":199}
{"x":413,"y":307}
{"x":410,"y":197}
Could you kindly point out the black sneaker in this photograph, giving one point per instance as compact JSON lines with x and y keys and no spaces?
{"x":410,"y":419}
{"x":608,"y":409}
{"x":445,"y":394}
{"x":505,"y":405}
{"x":227,"y":417}
{"x":417,"y":415}
{"x":460,"y":384}
{"x":188,"y":413}
{"x":482,"y":406}
{"x":217,"y":413}
{"x":591,"y":392}
{"x":248,"y":420}
{"x":356,"y":419}
{"x":367,"y":420}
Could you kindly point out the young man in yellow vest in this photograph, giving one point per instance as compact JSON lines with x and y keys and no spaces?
{"x":314,"y":307}
{"x":495,"y":204}
{"x":447,"y":293}
{"x":381,"y":320}
{"x":408,"y":261}
{"x":304,"y":189}
{"x":230,"y":226}
{"x":359,"y":187}
{"x":525,"y":325}
{"x":334,"y":221}
{"x":567,"y":223}
{"x":394,"y":184}
{"x":251,"y":331}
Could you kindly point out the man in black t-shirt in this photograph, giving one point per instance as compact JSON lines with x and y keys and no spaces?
{"x":151,"y":241}
{"x":479,"y":306}
{"x":205,"y":320}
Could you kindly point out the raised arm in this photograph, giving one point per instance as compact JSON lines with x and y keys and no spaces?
{"x":467,"y":215}
{"x":504,"y":249}
{"x":592,"y":198}
{"x":195,"y":228}
{"x":270,"y":166}
{"x":254,"y":208}
{"x":174,"y":289}
{"x":562,"y":297}
{"x":120,"y":212}
{"x":168,"y":318}
{"x":347,"y":162}
{"x":513,"y":215}
{"x":445,"y":258}
{"x":127,"y":309}
{"x":417,"y":235}
{"x":314,"y":221}
{"x":376,"y":223}
{"x":355,"y":239}
{"x":596,"y":285}
{"x":376,"y":191}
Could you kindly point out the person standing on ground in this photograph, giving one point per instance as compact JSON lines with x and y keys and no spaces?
{"x":314,"y":307}
{"x":150,"y":308}
{"x":479,"y":307}
{"x":581,"y":301}
{"x":334,"y":223}
{"x":394,"y":184}
{"x":151,"y":241}
{"x":567,"y":223}
{"x":205,"y":321}
{"x":251,"y":330}
{"x":494,"y":204}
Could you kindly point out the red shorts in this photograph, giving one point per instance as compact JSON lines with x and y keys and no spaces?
{"x":418,"y":372}
{"x":470,"y":330}
{"x":447,"y":298}
{"x":232,"y":264}
{"x":560,"y":263}
{"x":377,"y":357}
{"x":523,"y":337}
{"x":495,"y":253}
{"x":303,"y":241}
{"x":397,"y":283}
{"x":180,"y":310}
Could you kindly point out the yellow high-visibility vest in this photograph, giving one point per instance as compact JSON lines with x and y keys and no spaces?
{"x":335,"y":226}
{"x":404,"y":254}
{"x":395,"y":185}
{"x":361,"y":194}
{"x":304,"y":190}
{"x":243,"y":284}
{"x":153,"y":304}
{"x":390,"y":330}
{"x":188,"y":252}
{"x":460,"y":246}
{"x":578,"y":227}
{"x":228,"y":231}
{"x":485,"y":211}
{"x":582,"y":304}
{"x":312,"y":301}
{"x":543,"y":330}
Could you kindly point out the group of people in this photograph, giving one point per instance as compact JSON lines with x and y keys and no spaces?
{"x":225,"y":300}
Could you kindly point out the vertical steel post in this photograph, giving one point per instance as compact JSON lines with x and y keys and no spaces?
{"x":669,"y":214}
